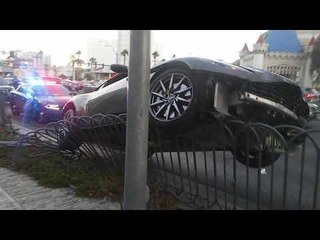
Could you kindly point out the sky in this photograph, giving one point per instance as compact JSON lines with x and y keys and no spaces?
{"x":60,"y":44}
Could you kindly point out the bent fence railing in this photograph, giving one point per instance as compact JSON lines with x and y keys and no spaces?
{"x":220,"y":165}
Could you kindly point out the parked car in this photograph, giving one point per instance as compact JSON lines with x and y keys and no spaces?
{"x":311,"y":94}
{"x":314,"y":112}
{"x":90,"y":86}
{"x":72,"y":85}
{"x":51,"y":79}
{"x":42,"y":102}
{"x":186,"y":92}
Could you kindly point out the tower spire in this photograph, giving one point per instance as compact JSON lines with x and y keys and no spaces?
{"x":260,"y":40}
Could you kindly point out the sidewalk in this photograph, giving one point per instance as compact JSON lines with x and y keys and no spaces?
{"x":20,"y":192}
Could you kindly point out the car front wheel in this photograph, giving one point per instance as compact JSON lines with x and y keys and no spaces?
{"x":258,"y":154}
{"x":68,"y":114}
{"x":172,"y":99}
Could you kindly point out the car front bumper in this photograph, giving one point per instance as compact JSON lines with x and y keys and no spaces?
{"x":51,"y":115}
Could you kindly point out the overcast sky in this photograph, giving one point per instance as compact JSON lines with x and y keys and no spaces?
{"x":60,"y":44}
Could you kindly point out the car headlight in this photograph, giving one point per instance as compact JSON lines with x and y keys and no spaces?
{"x":52,"y":106}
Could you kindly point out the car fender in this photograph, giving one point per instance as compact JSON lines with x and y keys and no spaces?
{"x":78,"y":103}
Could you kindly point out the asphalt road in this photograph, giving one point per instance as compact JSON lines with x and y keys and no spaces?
{"x":297,"y":181}
{"x":26,"y":126}
{"x":275,"y":187}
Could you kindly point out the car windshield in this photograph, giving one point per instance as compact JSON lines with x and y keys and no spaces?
{"x":50,"y":90}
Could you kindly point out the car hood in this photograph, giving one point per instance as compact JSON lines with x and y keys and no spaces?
{"x":59,"y":100}
{"x":215,"y":66}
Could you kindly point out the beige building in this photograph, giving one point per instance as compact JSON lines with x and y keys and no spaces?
{"x":284,"y":52}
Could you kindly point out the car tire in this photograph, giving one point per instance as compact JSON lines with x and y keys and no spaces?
{"x":69,"y":139}
{"x":68,"y":113}
{"x":173,"y":99}
{"x":267,"y":158}
{"x":252,"y":158}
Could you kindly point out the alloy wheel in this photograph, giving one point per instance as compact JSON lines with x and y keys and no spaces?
{"x":170,"y":97}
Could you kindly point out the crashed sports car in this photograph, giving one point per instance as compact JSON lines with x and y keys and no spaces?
{"x":186,"y":92}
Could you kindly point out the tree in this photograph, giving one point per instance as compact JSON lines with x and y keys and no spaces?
{"x":124,"y":53}
{"x":92,"y":61}
{"x":155,"y":54}
{"x":46,"y":68}
{"x":89,"y":76}
{"x":78,"y":73}
{"x":62,"y":76}
{"x":315,"y":59}
{"x":76,"y":61}
{"x":173,"y":56}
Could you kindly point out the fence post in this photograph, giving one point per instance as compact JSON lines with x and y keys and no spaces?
{"x":135,"y":177}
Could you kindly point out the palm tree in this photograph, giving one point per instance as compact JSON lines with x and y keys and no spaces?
{"x":76,"y":61}
{"x":124,"y":53}
{"x":46,"y":68}
{"x":173,"y":56}
{"x":155,"y":54}
{"x":92,"y":61}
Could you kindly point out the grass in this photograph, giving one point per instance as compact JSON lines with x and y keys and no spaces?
{"x":89,"y":179}
{"x":55,"y":170}
{"x":8,"y":134}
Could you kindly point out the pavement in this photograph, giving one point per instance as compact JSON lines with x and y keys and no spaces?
{"x":20,"y":192}
{"x":217,"y":171}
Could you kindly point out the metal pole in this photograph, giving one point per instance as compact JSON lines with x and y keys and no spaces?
{"x":135,"y":178}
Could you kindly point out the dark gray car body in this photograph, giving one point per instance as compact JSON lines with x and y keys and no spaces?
{"x":276,"y":92}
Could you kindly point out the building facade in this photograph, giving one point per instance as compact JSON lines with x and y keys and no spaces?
{"x":284,"y":52}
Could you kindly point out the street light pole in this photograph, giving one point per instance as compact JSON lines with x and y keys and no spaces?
{"x":74,"y":68}
{"x":135,"y":177}
{"x":114,"y":51}
{"x":112,"y":48}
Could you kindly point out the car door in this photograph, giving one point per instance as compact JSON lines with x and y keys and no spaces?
{"x":109,"y":99}
{"x":19,"y":98}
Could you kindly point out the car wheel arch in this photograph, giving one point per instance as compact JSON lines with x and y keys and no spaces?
{"x":165,"y":67}
{"x":68,"y":106}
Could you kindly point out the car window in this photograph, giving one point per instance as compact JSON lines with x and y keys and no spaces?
{"x":112,"y":80}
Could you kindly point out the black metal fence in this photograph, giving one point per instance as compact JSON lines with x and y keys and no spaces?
{"x":218,"y":165}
